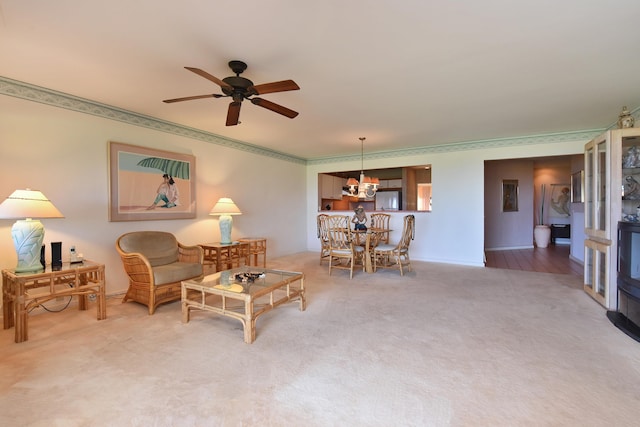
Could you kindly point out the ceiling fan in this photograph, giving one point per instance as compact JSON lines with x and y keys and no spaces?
{"x":239,"y":89}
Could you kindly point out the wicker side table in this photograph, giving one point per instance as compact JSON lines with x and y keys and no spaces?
{"x":83,"y":279}
{"x":257,"y":246}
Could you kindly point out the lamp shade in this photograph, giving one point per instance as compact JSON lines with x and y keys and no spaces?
{"x":28,"y":203}
{"x":225,"y":206}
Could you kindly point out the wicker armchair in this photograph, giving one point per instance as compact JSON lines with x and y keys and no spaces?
{"x":156,"y":264}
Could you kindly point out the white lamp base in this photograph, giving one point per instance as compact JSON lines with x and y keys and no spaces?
{"x":226,"y":223}
{"x":27,"y":238}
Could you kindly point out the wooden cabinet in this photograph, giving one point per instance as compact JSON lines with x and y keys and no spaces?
{"x":394,"y":184}
{"x":612,"y":193}
{"x":331,"y":187}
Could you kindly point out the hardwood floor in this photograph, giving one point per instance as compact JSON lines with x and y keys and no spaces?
{"x":552,"y":259}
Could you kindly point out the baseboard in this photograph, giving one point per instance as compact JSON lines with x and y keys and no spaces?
{"x":579,"y":261}
{"x":508,"y":248}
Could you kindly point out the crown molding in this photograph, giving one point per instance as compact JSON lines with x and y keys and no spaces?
{"x":43,"y":95}
{"x":549,"y":138}
{"x":552,"y":138}
{"x":54,"y":98}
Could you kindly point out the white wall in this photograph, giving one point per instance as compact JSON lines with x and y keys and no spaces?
{"x":64,"y":154}
{"x":454,"y":231}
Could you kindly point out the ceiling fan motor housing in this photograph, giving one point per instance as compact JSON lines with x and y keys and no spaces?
{"x":239,"y":84}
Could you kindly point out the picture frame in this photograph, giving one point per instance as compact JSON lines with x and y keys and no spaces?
{"x":509,"y":195}
{"x":559,"y":198}
{"x":577,"y":188}
{"x":139,"y":190}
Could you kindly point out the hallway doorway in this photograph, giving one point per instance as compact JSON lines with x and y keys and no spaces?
{"x":552,"y":259}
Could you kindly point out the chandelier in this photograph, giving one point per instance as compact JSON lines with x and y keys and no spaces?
{"x":367,"y":186}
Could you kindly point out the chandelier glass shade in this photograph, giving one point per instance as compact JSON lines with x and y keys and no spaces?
{"x":367,"y":186}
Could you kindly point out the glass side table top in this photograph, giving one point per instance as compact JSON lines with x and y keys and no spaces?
{"x":247,"y":280}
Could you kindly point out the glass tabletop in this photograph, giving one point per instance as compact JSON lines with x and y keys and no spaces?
{"x":245,"y":279}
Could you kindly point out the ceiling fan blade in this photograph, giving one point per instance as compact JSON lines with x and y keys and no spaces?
{"x":274,"y":107}
{"x":208,"y":76}
{"x":282,"y":86}
{"x":189,"y":98}
{"x":234,"y":113}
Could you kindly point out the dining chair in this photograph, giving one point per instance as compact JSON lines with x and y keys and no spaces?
{"x":323,"y":235}
{"x":396,"y":256}
{"x":343,"y":252}
{"x":381,"y":221}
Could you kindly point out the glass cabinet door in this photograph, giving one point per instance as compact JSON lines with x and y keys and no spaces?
{"x":588,"y":186}
{"x":602,"y":175}
{"x":596,"y":271}
{"x":597,"y":187}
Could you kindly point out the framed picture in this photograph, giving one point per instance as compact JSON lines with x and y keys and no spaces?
{"x":149,"y":184}
{"x":559,"y":199}
{"x":577,"y":192}
{"x":509,"y":195}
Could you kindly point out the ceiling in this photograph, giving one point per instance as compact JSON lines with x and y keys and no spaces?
{"x":402,"y":74}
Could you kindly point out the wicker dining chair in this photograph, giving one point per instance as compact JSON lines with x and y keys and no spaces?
{"x":343,"y":252}
{"x":396,"y":256}
{"x":381,"y":222}
{"x":323,"y":235}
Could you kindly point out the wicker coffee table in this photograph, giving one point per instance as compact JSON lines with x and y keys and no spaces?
{"x":224,"y":293}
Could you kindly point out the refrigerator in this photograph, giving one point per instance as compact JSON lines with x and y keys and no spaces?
{"x":388,"y":200}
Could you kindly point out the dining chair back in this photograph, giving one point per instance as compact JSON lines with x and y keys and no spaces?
{"x":380,"y":221}
{"x":343,"y":252}
{"x":396,"y":256}
{"x":323,"y":235}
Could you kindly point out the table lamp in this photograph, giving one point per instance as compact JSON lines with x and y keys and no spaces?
{"x":27,"y":232}
{"x":225,"y":208}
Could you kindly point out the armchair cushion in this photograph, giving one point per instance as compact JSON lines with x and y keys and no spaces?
{"x":157,"y":247}
{"x":175,"y":272}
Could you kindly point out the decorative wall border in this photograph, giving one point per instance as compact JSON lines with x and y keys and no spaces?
{"x":43,"y":95}
{"x":470,"y":145}
{"x":58,"y":99}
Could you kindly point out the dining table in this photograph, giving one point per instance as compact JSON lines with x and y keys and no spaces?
{"x":369,"y":239}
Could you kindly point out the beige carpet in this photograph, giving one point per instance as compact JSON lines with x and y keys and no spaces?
{"x":443,"y":346}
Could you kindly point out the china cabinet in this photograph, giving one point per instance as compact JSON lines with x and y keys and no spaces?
{"x":612,"y":194}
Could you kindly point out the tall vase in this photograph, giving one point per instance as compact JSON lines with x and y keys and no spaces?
{"x":541,"y":235}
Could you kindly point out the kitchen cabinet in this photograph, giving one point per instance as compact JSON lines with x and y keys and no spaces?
{"x":331,"y":187}
{"x":390,"y":183}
